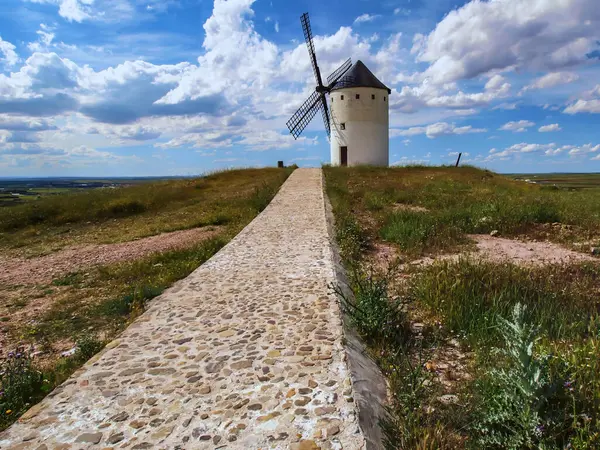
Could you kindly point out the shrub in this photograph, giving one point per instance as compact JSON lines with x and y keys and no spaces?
{"x":262,"y":196}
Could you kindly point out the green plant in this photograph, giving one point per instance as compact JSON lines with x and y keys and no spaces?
{"x":515,"y":400}
{"x":262,"y":196}
{"x":470,"y":295}
{"x":378,"y":319}
{"x":21,"y":385}
{"x":87,"y":346}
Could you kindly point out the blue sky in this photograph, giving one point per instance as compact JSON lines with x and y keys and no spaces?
{"x":181,"y":87}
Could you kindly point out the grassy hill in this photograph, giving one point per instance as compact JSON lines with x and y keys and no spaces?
{"x":479,"y":353}
{"x":46,"y":312}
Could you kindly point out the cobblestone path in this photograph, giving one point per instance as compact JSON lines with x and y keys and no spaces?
{"x":246,"y":352}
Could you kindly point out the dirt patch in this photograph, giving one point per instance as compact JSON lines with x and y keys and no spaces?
{"x":524,"y":252}
{"x":411,"y":208}
{"x":20,"y":271}
{"x":495,"y":249}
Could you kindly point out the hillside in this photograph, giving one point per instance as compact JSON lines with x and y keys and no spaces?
{"x":478,"y":296}
{"x":76,"y":268}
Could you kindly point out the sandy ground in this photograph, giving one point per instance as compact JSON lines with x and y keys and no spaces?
{"x":21,"y":271}
{"x":493,"y":249}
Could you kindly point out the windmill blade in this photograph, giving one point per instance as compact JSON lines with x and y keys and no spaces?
{"x":325,"y":113}
{"x":338,"y":73}
{"x":304,"y":115}
{"x":304,"y":20}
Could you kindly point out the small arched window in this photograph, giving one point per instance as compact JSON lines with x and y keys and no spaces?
{"x":384,"y":98}
{"x":342,"y":97}
{"x":357,"y":96}
{"x":372,"y":96}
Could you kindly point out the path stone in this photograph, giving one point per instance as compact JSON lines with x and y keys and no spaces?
{"x":245,"y":353}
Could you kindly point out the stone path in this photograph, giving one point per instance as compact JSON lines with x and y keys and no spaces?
{"x":246,"y":352}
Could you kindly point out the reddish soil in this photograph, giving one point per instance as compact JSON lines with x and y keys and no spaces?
{"x":20,"y":271}
{"x":520,"y":252}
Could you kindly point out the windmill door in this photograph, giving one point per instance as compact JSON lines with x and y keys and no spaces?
{"x":344,"y":156}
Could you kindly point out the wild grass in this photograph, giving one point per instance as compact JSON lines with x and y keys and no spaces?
{"x":106,"y":215}
{"x":472,"y":295}
{"x":533,"y":331}
{"x":459,"y":201}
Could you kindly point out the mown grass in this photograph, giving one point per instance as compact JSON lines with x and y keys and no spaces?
{"x":533,"y":332}
{"x":91,"y":307}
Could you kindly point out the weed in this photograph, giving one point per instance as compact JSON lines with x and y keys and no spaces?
{"x":87,"y":346}
{"x":21,"y":385}
{"x":515,"y":400}
{"x":378,"y":319}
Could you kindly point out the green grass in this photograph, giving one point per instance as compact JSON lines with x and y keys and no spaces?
{"x":470,"y":296}
{"x":535,"y":376}
{"x":459,"y":201}
{"x":122,"y":214}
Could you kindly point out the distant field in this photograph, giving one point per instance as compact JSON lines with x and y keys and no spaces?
{"x":564,"y":180}
{"x":14,"y":191}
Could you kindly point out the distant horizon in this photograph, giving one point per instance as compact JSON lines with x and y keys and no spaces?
{"x":84,"y":177}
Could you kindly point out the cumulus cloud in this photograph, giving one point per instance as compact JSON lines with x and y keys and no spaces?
{"x":517,"y":126}
{"x":8,"y":55}
{"x":589,"y":103}
{"x":549,"y":128}
{"x":550,"y":80}
{"x":480,"y":37}
{"x":435,"y":130}
{"x":550,"y":149}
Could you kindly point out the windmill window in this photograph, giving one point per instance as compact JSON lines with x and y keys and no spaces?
{"x":372,"y":96}
{"x":384,"y":99}
{"x":357,"y":96}
{"x":341,"y":97}
{"x":342,"y":126}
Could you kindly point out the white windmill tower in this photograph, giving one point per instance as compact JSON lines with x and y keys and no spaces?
{"x":358,"y":126}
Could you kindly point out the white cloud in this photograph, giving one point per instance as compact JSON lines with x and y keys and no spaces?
{"x":507,"y":106}
{"x":550,"y":80}
{"x":7,"y":52}
{"x":401,"y":11}
{"x":549,"y":128}
{"x":550,"y":149}
{"x":366,"y":18}
{"x":435,"y":130}
{"x":517,"y":126}
{"x":589,"y":103}
{"x":481,"y":37}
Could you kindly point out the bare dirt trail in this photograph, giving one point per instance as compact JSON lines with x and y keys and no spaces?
{"x":43,"y":269}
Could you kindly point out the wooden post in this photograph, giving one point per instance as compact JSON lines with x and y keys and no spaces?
{"x":458,"y":160}
{"x":280,"y":164}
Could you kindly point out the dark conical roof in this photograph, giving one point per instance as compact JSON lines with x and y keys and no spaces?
{"x":360,"y":76}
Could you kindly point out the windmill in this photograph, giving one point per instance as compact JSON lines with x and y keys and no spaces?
{"x":358,"y":125}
